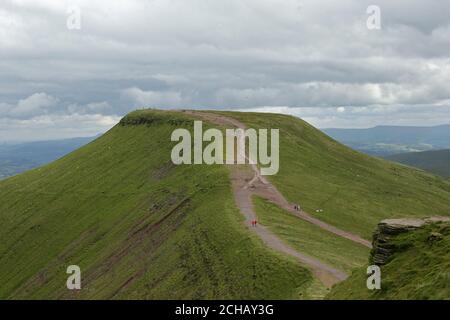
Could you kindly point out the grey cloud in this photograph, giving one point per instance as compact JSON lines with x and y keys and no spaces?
{"x":153,"y":98}
{"x":223,"y":54}
{"x":369,"y":116}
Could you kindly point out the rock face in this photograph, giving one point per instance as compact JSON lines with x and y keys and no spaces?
{"x":383,"y":247}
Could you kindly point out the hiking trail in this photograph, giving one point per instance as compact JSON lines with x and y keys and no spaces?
{"x":246,"y":183}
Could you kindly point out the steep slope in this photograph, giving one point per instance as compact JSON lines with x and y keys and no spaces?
{"x":353,"y":190}
{"x":140,"y":227}
{"x":247,"y":182}
{"x":437,"y":161}
{"x":137,"y":226}
{"x":419,"y":268}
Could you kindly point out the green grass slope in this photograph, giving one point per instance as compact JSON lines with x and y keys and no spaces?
{"x":310,"y":239}
{"x":420,"y":269}
{"x":355,"y":191}
{"x":138,"y":226}
{"x":436,"y":161}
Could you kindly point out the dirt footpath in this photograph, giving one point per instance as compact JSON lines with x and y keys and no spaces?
{"x":246,"y":183}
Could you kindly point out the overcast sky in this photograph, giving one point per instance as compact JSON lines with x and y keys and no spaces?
{"x":315,"y":59}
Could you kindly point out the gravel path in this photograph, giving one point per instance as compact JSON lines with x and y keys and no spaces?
{"x":246,"y":183}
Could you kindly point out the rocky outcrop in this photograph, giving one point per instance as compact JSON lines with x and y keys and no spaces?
{"x":383,"y":246}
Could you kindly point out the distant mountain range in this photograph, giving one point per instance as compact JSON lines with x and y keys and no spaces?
{"x":388,"y":140}
{"x":19,"y":157}
{"x":436,"y":161}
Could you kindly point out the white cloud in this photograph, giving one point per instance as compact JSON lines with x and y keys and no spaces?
{"x":151,"y":98}
{"x":47,"y":127}
{"x":368,"y":116}
{"x":36,"y":104}
{"x":90,"y":108}
{"x":40,"y":117}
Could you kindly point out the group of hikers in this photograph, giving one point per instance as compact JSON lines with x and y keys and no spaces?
{"x":296,"y":207}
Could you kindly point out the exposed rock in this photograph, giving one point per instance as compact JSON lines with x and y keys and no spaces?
{"x":437,"y":219}
{"x":434,"y":236}
{"x":383,"y":247}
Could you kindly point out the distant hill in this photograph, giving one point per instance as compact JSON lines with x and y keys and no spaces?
{"x":19,"y":157}
{"x":388,"y":140}
{"x":437,"y":161}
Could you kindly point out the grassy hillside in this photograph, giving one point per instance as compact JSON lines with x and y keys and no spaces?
{"x":140,"y":227}
{"x":137,"y":226}
{"x":437,"y":162}
{"x":310,"y":239}
{"x":420,"y":269}
{"x":355,"y":191}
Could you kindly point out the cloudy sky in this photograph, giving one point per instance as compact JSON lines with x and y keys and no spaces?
{"x":312,"y":58}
